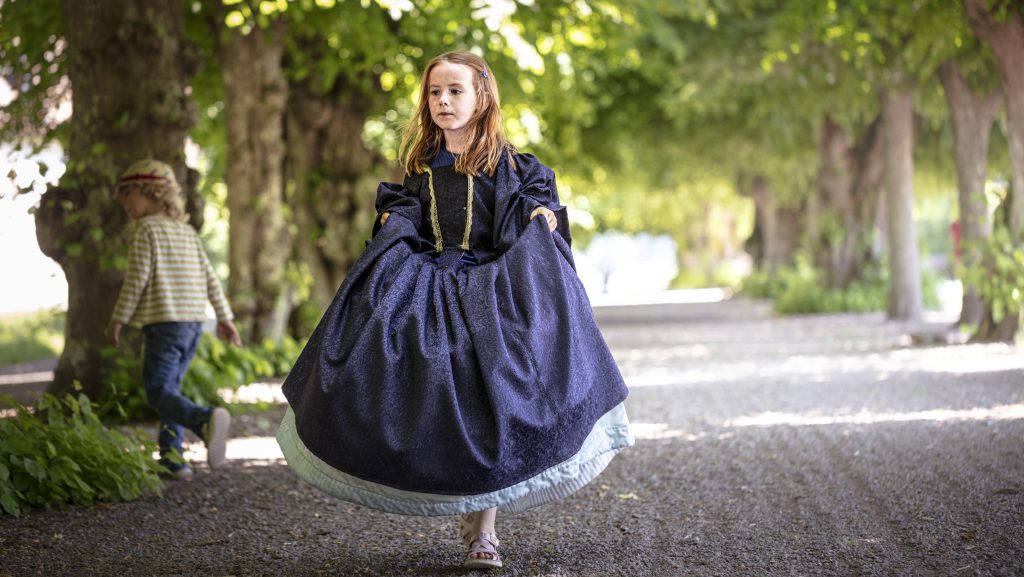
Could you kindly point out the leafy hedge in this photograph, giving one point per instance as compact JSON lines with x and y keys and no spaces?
{"x":62,"y":453}
{"x":999,"y":278}
{"x":216,"y":366}
{"x":802,"y":289}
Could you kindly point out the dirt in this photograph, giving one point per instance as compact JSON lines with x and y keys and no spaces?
{"x":821,"y":445}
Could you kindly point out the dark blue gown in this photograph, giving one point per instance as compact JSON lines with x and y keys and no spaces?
{"x":459,"y":366}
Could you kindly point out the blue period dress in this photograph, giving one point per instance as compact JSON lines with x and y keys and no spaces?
{"x":459,"y":366}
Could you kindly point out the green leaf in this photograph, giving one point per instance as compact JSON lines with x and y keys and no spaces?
{"x":10,"y":505}
{"x":85,"y":487}
{"x":35,"y":469}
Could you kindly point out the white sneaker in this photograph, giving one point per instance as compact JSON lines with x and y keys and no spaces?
{"x":183,"y":474}
{"x":217,"y":437}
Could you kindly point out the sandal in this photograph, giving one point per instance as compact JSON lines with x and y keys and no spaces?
{"x":486,"y":543}
{"x":467,"y":526}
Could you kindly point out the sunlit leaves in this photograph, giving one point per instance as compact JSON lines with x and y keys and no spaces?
{"x":33,"y":61}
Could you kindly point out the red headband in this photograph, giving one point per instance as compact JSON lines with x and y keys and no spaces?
{"x":135,"y":177}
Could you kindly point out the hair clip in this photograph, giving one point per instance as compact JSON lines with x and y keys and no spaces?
{"x":483,"y":73}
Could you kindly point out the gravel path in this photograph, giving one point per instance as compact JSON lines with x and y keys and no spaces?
{"x":800,"y":446}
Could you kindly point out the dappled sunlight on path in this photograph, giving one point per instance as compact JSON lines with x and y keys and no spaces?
{"x":865,"y":417}
{"x":252,"y":450}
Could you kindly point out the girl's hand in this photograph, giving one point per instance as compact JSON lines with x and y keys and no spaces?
{"x":384,"y":217}
{"x":114,"y":333}
{"x":227,"y":331}
{"x":548,"y":215}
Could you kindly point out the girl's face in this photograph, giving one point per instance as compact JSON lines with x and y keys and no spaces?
{"x":452,"y":100}
{"x":136,"y":204}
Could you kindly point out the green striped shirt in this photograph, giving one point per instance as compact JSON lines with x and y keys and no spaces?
{"x":169,"y":278}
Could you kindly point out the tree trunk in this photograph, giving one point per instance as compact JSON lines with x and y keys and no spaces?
{"x":905,"y":302}
{"x":776,"y":228}
{"x":1005,"y":37}
{"x":333,"y":180}
{"x":973,"y":117}
{"x":255,"y":96}
{"x":129,"y":65}
{"x":849,"y":181}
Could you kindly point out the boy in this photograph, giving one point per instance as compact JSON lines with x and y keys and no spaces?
{"x":166,"y":286}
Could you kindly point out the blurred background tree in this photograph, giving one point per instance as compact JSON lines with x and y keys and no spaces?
{"x":833,"y":143}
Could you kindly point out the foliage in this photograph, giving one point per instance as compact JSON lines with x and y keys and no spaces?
{"x":999,"y":279}
{"x":61,"y":452}
{"x":31,"y":337}
{"x":216,"y":366}
{"x":33,"y":61}
{"x":802,"y":289}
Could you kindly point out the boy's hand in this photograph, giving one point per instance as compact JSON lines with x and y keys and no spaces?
{"x":384,"y":217}
{"x":548,"y":215}
{"x":114,"y":333}
{"x":227,"y":331}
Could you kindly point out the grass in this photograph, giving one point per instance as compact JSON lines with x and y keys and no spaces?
{"x":31,"y":337}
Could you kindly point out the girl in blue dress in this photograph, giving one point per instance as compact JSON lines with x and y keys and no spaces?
{"x":458,"y":370}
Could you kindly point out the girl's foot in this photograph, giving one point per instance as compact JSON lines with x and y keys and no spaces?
{"x":467,"y":528}
{"x":483,"y":552}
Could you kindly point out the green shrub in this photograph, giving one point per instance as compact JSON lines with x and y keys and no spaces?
{"x":216,"y":366}
{"x":61,"y":453}
{"x":802,"y":289}
{"x":32,"y":337}
{"x":999,"y":278}
{"x":763,"y":285}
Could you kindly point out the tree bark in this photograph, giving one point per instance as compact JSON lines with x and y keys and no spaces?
{"x":129,"y":65}
{"x":333,"y":180}
{"x":776,"y":228}
{"x":849,"y":181}
{"x":255,"y":96}
{"x":905,"y":301}
{"x":1005,"y":37}
{"x":972,"y":117}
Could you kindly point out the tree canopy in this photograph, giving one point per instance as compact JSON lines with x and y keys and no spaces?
{"x":680,"y":118}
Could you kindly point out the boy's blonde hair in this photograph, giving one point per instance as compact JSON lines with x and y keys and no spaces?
{"x":423,"y":138}
{"x":156,"y":180}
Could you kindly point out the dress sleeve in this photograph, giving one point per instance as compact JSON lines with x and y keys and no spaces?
{"x":402,"y":199}
{"x":538,"y":188}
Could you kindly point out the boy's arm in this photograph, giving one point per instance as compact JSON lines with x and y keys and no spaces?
{"x":225,"y":328}
{"x":135,"y":280}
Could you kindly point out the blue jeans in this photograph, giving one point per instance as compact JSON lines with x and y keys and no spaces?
{"x":168,"y":351}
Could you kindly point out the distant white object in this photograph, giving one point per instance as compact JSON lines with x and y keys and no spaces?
{"x":620,"y":264}
{"x":951,"y":296}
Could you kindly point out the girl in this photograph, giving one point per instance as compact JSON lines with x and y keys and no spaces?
{"x":459,"y":369}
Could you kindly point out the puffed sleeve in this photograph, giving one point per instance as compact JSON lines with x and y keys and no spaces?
{"x":538,"y":188}
{"x":402,"y":199}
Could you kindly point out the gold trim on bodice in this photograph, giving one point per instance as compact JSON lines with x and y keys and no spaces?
{"x":435,"y":223}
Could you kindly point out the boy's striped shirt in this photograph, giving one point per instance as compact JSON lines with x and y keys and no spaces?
{"x":169,"y":277}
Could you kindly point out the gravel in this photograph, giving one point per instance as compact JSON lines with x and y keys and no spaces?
{"x":819,"y":445}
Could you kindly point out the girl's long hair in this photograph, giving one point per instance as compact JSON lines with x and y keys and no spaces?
{"x":423,"y":138}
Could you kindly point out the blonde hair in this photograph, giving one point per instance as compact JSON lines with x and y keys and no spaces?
{"x":423,"y":138}
{"x":155,"y":180}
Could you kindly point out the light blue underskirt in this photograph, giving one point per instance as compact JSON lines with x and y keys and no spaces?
{"x":609,"y":436}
